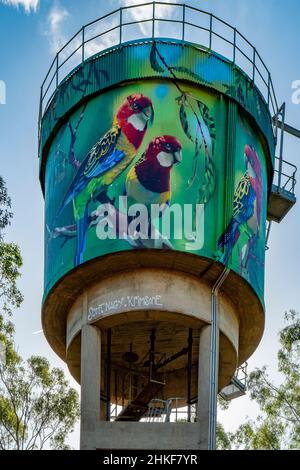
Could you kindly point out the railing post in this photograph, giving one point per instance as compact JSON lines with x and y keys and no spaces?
{"x":294,"y":181}
{"x":269,"y":87}
{"x":183,"y":22}
{"x":82,"y":58}
{"x":254,"y":59}
{"x":56,"y":72}
{"x":40,"y":118}
{"x":210,"y":30}
{"x":153,"y":20}
{"x":234,"y":44}
{"x":281,"y":145}
{"x":121,"y":19}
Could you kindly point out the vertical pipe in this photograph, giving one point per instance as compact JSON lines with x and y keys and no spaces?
{"x":189,"y":372}
{"x":268,"y":234}
{"x":108,"y":374}
{"x":214,"y":360}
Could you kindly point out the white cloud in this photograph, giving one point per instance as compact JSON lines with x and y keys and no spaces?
{"x":145,"y":12}
{"x":56,"y":18}
{"x":28,"y":5}
{"x":135,"y":14}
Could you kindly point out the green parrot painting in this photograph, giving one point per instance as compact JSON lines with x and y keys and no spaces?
{"x":106,"y":160}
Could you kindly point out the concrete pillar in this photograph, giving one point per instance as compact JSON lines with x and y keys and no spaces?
{"x":90,"y":384}
{"x":203,"y":385}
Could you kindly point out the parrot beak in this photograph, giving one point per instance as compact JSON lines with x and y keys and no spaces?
{"x":177,"y":157}
{"x":249,"y":167}
{"x":149,"y":114}
{"x":141,"y":119}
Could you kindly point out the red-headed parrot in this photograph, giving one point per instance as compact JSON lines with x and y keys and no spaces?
{"x":148,"y":181}
{"x":106,"y":160}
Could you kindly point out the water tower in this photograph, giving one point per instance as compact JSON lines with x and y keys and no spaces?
{"x":158,"y":130}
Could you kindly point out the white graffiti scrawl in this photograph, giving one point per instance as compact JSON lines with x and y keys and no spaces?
{"x":130,"y":302}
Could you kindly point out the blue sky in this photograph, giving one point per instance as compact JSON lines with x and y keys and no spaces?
{"x":30,"y":32}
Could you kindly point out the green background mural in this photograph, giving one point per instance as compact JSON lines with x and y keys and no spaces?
{"x":197,"y":118}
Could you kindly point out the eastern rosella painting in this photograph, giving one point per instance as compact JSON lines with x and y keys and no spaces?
{"x":148,"y":181}
{"x":247,"y":204}
{"x":106,"y":160}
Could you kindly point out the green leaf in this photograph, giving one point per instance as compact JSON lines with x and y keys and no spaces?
{"x":208,"y":119}
{"x":208,"y":186}
{"x":188,"y":72}
{"x":185,"y":123}
{"x":154,"y":61}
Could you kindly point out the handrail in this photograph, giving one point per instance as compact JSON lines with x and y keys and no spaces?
{"x":287,"y":180}
{"x":122,"y":23}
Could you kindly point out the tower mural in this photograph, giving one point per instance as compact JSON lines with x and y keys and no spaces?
{"x":156,"y":162}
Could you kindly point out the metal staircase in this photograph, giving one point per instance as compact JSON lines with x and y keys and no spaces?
{"x":138,"y":407}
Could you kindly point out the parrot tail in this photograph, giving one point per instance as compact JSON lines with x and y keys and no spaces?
{"x":81,"y":230}
{"x":228,"y":240}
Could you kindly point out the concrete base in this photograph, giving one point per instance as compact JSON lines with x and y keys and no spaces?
{"x":152,"y":436}
{"x":195,"y":276}
{"x":130,"y":305}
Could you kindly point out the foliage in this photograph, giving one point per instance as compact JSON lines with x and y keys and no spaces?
{"x":10,"y":258}
{"x":10,"y":264}
{"x":5,"y":205}
{"x":37,"y":406}
{"x":278,"y":425}
{"x":222,"y":438}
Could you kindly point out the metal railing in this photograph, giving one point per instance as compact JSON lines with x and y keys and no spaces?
{"x":163,"y":411}
{"x":284,"y":176}
{"x":238,"y":384}
{"x":154,"y":20}
{"x":241,"y":374}
{"x":284,"y":172}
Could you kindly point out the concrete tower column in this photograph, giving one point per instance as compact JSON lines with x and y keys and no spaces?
{"x":203,"y":385}
{"x":90,"y":384}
